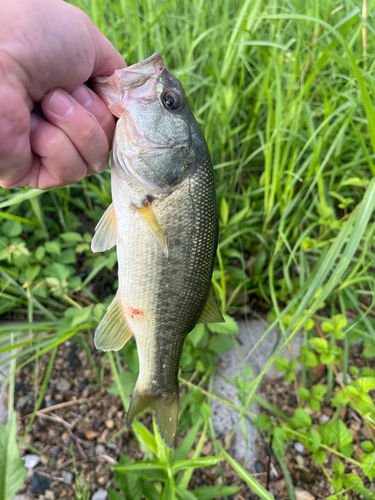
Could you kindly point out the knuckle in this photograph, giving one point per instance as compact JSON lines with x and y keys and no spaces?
{"x":14,"y":128}
{"x":89,"y":133}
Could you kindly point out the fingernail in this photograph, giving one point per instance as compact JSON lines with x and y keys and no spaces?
{"x":34,"y":120}
{"x":98,"y":167}
{"x":60,"y":104}
{"x":82,"y":95}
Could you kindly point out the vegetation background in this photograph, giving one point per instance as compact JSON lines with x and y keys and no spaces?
{"x":283,"y":92}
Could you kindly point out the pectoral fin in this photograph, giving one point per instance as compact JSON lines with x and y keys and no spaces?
{"x":105,"y":236}
{"x":144,"y":209}
{"x":113,"y":331}
{"x":211,"y":313}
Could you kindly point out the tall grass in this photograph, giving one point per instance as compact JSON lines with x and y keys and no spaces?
{"x":284,"y":93}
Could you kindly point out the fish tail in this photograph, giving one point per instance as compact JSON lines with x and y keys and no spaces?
{"x":166,"y":409}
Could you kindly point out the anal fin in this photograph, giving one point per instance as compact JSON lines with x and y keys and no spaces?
{"x":211,"y":312}
{"x":113,"y":331}
{"x":144,"y":210}
{"x":105,"y":236}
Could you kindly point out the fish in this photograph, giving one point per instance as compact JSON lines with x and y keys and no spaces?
{"x":163,"y":220}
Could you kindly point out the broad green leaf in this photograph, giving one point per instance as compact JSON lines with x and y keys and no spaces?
{"x":281,"y":364}
{"x":302,"y":418}
{"x":71,"y":237}
{"x":221,"y":343}
{"x":209,"y":492}
{"x":304,"y":393}
{"x":319,"y":456}
{"x":365,"y":384}
{"x":198,"y":334}
{"x":367,"y":446}
{"x":82,"y":316}
{"x":230,"y":326}
{"x":115,"y":495}
{"x":338,"y":468}
{"x":315,"y":439}
{"x":320,"y":345}
{"x":150,"y":492}
{"x":12,"y":228}
{"x":262,"y":421}
{"x":368,"y":464}
{"x":12,"y":469}
{"x":336,"y":482}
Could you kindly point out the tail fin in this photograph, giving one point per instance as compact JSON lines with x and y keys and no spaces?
{"x":166,"y":409}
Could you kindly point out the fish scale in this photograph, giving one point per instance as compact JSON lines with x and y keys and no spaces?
{"x":164,"y":222}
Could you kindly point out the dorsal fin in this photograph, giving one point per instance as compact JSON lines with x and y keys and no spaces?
{"x":113,"y":330}
{"x":211,"y":312}
{"x":105,"y":236}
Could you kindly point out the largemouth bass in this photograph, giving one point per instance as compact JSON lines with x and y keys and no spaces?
{"x":163,"y":220}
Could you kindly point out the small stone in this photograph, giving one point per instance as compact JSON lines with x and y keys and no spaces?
{"x":51,"y":402}
{"x":21,"y":402}
{"x":303,"y":495}
{"x":100,"y":495}
{"x":354,"y":427}
{"x":112,"y":446}
{"x":65,"y":436}
{"x":300,"y":462}
{"x":109,"y":424}
{"x":349,"y":379}
{"x":259,"y":467}
{"x":102,"y":480}
{"x":207,"y":449}
{"x":299,"y":447}
{"x":228,"y":440}
{"x":67,"y":476}
{"x":91,"y":434}
{"x":279,"y":485}
{"x":82,"y":385}
{"x":99,"y":449}
{"x":39,"y":484}
{"x":323,"y":419}
{"x":63,"y":385}
{"x":49,"y":495}
{"x":31,"y":461}
{"x":55,"y":452}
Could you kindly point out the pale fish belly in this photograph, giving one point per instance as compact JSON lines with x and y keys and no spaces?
{"x":163,"y":297}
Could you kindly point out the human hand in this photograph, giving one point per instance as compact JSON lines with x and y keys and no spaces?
{"x":48,"y":49}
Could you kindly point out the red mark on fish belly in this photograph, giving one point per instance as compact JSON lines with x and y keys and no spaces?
{"x":135,"y":313}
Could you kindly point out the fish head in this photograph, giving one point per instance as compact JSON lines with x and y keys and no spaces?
{"x":157,"y":140}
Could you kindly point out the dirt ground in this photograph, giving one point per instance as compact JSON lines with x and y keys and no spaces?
{"x":76,"y":417}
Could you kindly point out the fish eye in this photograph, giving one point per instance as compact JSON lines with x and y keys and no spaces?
{"x":172,"y":100}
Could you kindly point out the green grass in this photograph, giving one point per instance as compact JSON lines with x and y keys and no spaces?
{"x":284,"y":94}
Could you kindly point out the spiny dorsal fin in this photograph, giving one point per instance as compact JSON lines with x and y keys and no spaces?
{"x":105,"y":236}
{"x":113,"y":331}
{"x":147,"y":215}
{"x":211,"y":313}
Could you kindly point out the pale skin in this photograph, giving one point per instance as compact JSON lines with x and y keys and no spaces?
{"x":48,"y":49}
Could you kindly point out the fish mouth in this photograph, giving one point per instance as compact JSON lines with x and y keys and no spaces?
{"x":153,"y":64}
{"x":136,"y":75}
